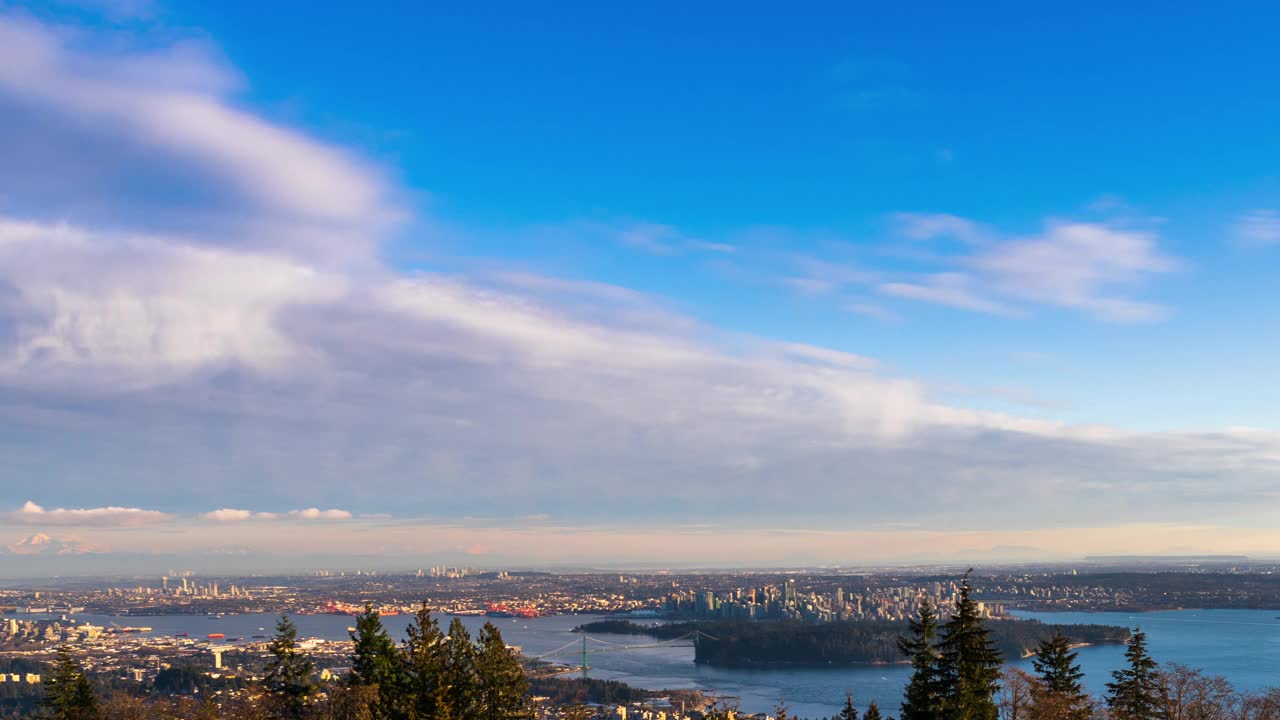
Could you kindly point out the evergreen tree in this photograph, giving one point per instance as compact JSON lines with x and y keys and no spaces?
{"x":1055,"y":661}
{"x":780,"y":711}
{"x":288,"y":676}
{"x":922,"y":699}
{"x":502,"y":688}
{"x":426,"y":655}
{"x":377,"y":662}
{"x":1136,"y":692}
{"x":460,"y":671}
{"x":68,"y":693}
{"x":873,"y":712}
{"x":969,"y":663}
{"x":1060,"y":674}
{"x":848,"y":712}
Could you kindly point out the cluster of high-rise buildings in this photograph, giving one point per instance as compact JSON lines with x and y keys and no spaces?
{"x":786,"y":601}
{"x":447,"y":572}
{"x":185,"y":586}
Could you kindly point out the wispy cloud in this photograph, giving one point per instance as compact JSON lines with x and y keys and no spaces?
{"x":661,"y":239}
{"x":931,"y":226}
{"x":951,"y":289}
{"x":174,"y":103}
{"x":870,"y":84}
{"x":1258,"y":228}
{"x":871,"y":310}
{"x":1087,"y":267}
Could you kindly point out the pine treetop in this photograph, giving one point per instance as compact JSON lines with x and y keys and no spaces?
{"x":848,"y":712}
{"x":1055,"y":662}
{"x":969,"y":662}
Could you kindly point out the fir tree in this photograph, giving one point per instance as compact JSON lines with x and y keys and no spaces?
{"x":288,"y":676}
{"x":848,"y":712}
{"x":377,"y":662}
{"x":68,"y":693}
{"x":780,"y":711}
{"x":460,"y":671}
{"x":922,"y":699}
{"x":969,"y":663}
{"x":1060,"y":675}
{"x":873,"y":712}
{"x":502,"y":688}
{"x":426,"y":655}
{"x":1136,"y":692}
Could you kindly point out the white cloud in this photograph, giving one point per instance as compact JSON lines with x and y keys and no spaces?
{"x":1089,"y":267}
{"x":33,"y":514}
{"x":318,"y":514}
{"x":1076,"y":265}
{"x":826,"y":356}
{"x":930,"y":226}
{"x":950,"y":289}
{"x":1258,"y":228}
{"x":650,"y":237}
{"x":871,"y":310}
{"x":127,"y":310}
{"x":170,"y":108}
{"x":232,"y":515}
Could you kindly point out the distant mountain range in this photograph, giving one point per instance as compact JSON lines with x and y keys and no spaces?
{"x":44,"y":544}
{"x":1157,"y":559}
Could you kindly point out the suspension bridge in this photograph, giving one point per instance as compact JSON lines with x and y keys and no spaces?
{"x":588,"y":646}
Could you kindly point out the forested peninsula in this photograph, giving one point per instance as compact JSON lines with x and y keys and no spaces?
{"x":737,"y":643}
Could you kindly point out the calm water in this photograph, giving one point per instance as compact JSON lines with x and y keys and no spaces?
{"x":1243,"y":645}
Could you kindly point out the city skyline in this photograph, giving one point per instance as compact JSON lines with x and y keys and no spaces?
{"x":644,"y":286}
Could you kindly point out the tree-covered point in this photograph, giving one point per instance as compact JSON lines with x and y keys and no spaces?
{"x":580,"y":690}
{"x":662,"y":631}
{"x":737,"y":643}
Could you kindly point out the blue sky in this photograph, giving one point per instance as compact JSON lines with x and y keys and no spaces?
{"x":814,"y":127}
{"x":498,"y":267}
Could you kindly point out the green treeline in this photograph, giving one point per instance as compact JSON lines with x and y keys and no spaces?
{"x":730,"y":643}
{"x":797,"y":643}
{"x":663,"y":631}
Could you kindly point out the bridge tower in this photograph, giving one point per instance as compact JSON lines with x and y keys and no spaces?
{"x":585,"y":665}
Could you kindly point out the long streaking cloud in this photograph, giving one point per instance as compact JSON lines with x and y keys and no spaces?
{"x":231,"y":515}
{"x":33,"y":514}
